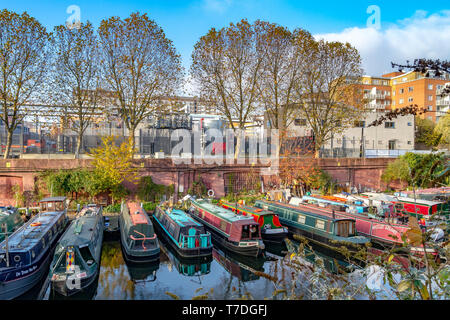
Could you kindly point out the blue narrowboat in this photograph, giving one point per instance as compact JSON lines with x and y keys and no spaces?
{"x":25,"y":255}
{"x":187,"y":236}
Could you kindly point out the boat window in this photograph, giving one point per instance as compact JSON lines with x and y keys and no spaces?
{"x":320,"y":224}
{"x":171,"y":228}
{"x":301,"y":218}
{"x":43,"y":206}
{"x":59,"y":206}
{"x":223,"y":225}
{"x":86,"y":255}
{"x":245,"y":232}
{"x":254,"y":232}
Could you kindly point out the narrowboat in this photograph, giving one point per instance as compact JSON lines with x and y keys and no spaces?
{"x":271,"y":228}
{"x":138,"y":238}
{"x":187,"y":236}
{"x":380,"y":230}
{"x":419,"y":208}
{"x":76,"y":261}
{"x":323,"y":230}
{"x":25,"y":255}
{"x":236,"y":233}
{"x":11,"y":218}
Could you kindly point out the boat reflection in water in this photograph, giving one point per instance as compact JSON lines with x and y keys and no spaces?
{"x":142,"y":272}
{"x":189,"y":267}
{"x":241,"y":267}
{"x":312,"y":253}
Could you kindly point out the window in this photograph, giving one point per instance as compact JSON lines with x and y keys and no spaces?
{"x":391,"y":144}
{"x":360,"y":124}
{"x":430,"y":108}
{"x":320,"y":224}
{"x":300,"y":122}
{"x":393,"y":93}
{"x":389,"y":125}
{"x":401,"y":101}
{"x":410,"y":89}
{"x":380,"y":142}
{"x":410,"y":99}
{"x":409,"y":142}
{"x":301,"y":218}
{"x":430,"y":87}
{"x":409,"y":124}
{"x":405,"y":79}
{"x":430,"y":98}
{"x":402,"y":91}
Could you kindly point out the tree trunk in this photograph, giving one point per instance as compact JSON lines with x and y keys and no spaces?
{"x":238,"y":144}
{"x":132,"y":132}
{"x":79,"y":143}
{"x":8,"y":144}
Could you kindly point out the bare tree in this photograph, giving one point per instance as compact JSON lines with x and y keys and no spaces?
{"x":24,"y":56}
{"x":285,"y":56}
{"x":77,"y":77}
{"x":327,"y":94}
{"x":140,"y":66}
{"x":227,"y":66}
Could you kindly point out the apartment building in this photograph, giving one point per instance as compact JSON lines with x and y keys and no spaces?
{"x":442,"y":102}
{"x":399,"y":89}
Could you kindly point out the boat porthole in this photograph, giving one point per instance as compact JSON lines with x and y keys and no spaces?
{"x":17,"y":258}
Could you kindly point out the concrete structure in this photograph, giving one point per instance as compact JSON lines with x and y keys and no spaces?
{"x":397,"y":134}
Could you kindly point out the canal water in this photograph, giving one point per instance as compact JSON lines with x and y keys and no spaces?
{"x":224,"y":276}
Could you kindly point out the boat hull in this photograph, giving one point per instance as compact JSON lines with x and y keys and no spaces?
{"x":183,"y":252}
{"x":323,"y":241}
{"x":60,"y":286}
{"x":251,"y":251}
{"x":18,"y":285}
{"x":277,"y":237}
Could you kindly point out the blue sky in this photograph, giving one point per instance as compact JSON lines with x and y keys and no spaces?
{"x":185,"y":21}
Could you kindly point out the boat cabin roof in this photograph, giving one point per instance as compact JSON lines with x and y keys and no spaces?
{"x":419,"y":201}
{"x":80,"y":230}
{"x":253,"y":210}
{"x":299,"y":210}
{"x":137,"y":214}
{"x":223,"y":213}
{"x":28,"y":236}
{"x":181,"y":218}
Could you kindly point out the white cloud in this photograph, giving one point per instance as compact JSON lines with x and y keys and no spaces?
{"x":218,"y":6}
{"x":421,"y":36}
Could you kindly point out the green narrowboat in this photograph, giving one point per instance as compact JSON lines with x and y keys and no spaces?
{"x":187,"y":236}
{"x":236,"y":233}
{"x":76,"y":261}
{"x":138,"y":238}
{"x":320,"y":229}
{"x":10,"y":217}
{"x":271,"y":228}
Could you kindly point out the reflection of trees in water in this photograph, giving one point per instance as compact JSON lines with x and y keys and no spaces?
{"x":114,"y":279}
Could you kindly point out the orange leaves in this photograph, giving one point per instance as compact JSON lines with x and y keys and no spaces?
{"x":414,"y":234}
